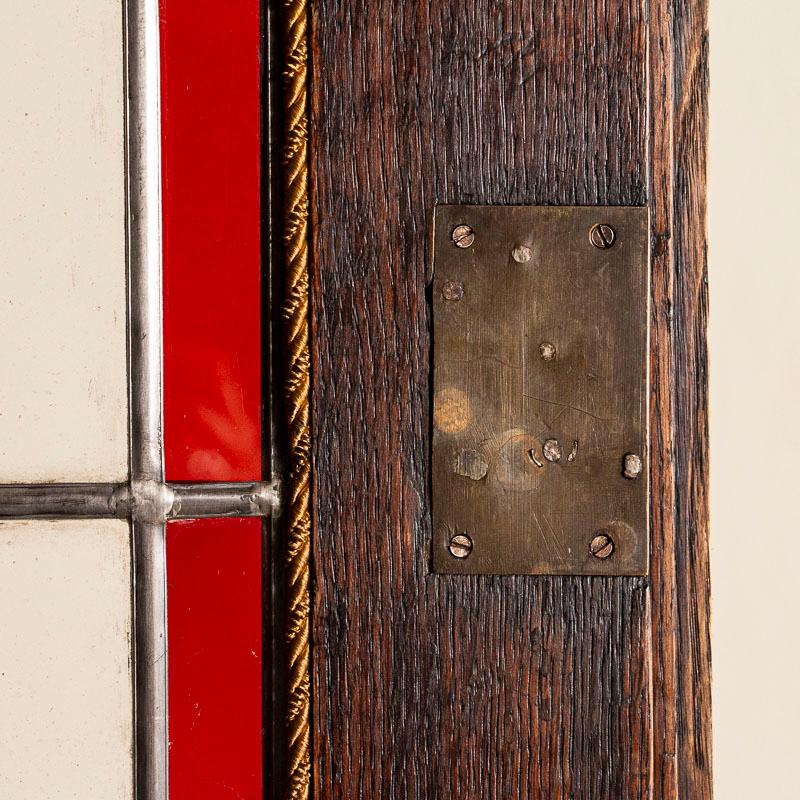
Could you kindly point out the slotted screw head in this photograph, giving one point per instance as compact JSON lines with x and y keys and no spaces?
{"x":460,"y":545}
{"x":522,"y":254}
{"x":547,"y":350}
{"x":602,"y":546}
{"x":632,"y":466}
{"x":552,"y":450}
{"x":463,"y":236}
{"x":452,"y":290}
{"x":602,"y":236}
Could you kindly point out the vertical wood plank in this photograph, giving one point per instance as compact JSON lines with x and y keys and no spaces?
{"x":426,"y":685}
{"x":679,"y":563}
{"x":690,"y":313}
{"x":663,"y":584}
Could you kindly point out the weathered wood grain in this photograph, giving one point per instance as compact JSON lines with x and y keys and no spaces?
{"x":679,"y":441}
{"x":429,"y":686}
{"x":662,"y":473}
{"x":690,"y":315}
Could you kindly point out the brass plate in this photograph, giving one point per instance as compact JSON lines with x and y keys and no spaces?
{"x":540,"y":365}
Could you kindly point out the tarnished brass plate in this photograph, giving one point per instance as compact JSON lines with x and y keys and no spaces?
{"x":540,"y":373}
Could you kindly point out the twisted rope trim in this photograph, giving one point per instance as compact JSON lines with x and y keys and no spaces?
{"x":298,"y":379}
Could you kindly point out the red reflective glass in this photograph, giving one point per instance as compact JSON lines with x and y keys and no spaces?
{"x":215,"y":662}
{"x":210,"y":118}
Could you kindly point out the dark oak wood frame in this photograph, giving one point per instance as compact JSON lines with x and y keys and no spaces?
{"x":428,"y":686}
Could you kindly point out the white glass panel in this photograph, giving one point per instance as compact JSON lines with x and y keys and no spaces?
{"x":754,"y":280}
{"x":65,"y":675}
{"x":63,"y":402}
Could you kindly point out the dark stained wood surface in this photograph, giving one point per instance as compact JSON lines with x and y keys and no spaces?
{"x":497,"y":687}
{"x":679,"y":433}
{"x":689,"y":318}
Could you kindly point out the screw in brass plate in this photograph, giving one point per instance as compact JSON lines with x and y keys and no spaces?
{"x":463,"y":236}
{"x":471,"y":464}
{"x":602,"y":236}
{"x":522,"y":254}
{"x":632,"y":466}
{"x":460,"y":545}
{"x":602,"y":546}
{"x":452,"y":290}
{"x":547,"y":351}
{"x":552,"y":451}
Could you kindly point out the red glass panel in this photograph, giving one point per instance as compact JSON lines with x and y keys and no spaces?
{"x":215,"y":664}
{"x":210,"y":109}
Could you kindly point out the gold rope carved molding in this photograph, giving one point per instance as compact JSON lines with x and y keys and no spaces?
{"x":294,"y":14}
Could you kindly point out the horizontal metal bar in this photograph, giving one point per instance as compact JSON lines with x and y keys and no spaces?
{"x":54,"y":500}
{"x":145,"y":501}
{"x":198,"y":500}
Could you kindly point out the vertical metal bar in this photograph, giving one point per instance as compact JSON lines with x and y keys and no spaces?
{"x":144,"y":240}
{"x":145,"y":398}
{"x":150,"y":660}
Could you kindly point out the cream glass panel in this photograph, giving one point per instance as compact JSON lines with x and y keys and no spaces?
{"x":65,"y":672}
{"x":63,"y":400}
{"x":754,"y":340}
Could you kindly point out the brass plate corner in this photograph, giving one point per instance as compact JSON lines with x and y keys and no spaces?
{"x":540,"y":408}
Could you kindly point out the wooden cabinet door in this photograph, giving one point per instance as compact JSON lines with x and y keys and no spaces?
{"x":497,"y":687}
